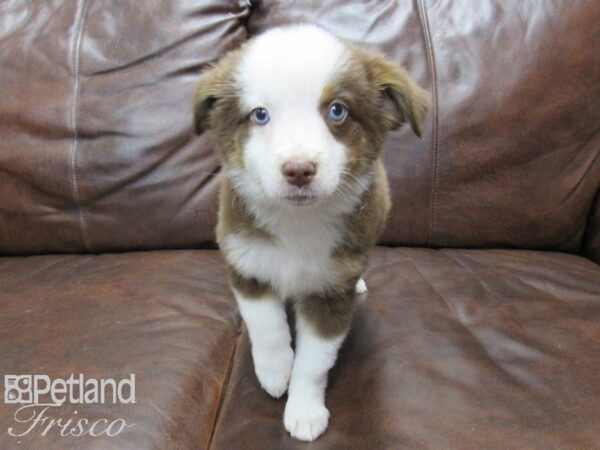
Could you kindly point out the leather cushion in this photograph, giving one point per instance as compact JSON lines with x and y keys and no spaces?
{"x":464,"y":349}
{"x":168,"y":317}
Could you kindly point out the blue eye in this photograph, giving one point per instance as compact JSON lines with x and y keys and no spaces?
{"x":260,"y":116}
{"x":337,"y":112}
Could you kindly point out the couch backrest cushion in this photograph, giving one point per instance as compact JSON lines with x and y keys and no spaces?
{"x":98,"y":152}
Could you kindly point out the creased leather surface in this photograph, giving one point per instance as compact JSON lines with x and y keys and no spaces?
{"x":97,"y":150}
{"x":519,"y":139}
{"x":463,"y":349}
{"x":167,"y":317}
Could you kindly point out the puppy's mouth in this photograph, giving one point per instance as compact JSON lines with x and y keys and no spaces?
{"x":301,"y":199}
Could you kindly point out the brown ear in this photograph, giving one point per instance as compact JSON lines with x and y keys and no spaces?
{"x":403,"y":99}
{"x":215,"y":83}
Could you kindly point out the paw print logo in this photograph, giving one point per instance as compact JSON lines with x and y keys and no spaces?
{"x":17,"y":388}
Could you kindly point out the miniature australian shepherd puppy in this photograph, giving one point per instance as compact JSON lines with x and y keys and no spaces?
{"x":300,"y":118}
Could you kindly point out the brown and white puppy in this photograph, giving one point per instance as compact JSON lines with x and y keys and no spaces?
{"x":300,"y":119}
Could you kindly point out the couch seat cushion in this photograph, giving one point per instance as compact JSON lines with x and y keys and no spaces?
{"x":167,"y":317}
{"x":452,"y":349}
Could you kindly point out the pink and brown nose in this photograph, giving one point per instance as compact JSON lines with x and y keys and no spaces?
{"x":299,"y":173}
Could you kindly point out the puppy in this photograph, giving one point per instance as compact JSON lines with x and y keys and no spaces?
{"x":300,"y":118}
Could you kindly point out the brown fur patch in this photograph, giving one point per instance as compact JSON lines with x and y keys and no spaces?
{"x":380,"y":97}
{"x":361,"y":133}
{"x":329,"y":313}
{"x":367,"y":221}
{"x":403,"y":99}
{"x":250,"y":288}
{"x":234,"y":215}
{"x":216,"y":107}
{"x":234,"y":218}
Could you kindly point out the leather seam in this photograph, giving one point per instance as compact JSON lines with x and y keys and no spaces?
{"x":75,"y":174}
{"x":435,"y":125}
{"x":225,"y":388}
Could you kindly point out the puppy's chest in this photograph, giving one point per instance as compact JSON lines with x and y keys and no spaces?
{"x":295,"y":260}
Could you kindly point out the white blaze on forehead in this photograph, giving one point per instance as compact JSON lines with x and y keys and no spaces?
{"x":286,"y":70}
{"x":289,"y":66}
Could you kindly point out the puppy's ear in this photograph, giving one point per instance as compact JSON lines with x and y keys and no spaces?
{"x":404,"y":101}
{"x":216,"y":82}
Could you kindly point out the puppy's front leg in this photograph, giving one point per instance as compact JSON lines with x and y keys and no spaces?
{"x":266,"y":321}
{"x":322,"y":323}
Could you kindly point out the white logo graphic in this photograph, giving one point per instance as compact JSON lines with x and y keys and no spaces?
{"x":38,"y":394}
{"x":26,"y":389}
{"x":17,"y":388}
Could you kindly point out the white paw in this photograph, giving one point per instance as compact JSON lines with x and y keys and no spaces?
{"x":274,"y":369}
{"x":305,"y":420}
{"x":361,"y":286}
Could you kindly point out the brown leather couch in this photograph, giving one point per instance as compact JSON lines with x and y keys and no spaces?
{"x":482,"y":325}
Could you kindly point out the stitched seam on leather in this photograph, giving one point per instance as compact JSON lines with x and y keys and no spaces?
{"x":225,"y":388}
{"x":75,"y":61}
{"x":435,"y":126}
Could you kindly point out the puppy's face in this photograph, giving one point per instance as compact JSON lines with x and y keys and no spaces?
{"x":300,"y":115}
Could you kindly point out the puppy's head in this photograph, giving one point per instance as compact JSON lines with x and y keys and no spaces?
{"x":299,"y":115}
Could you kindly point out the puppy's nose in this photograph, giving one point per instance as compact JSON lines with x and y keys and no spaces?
{"x":299,"y":173}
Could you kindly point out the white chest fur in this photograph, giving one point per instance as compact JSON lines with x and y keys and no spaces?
{"x":297,"y":259}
